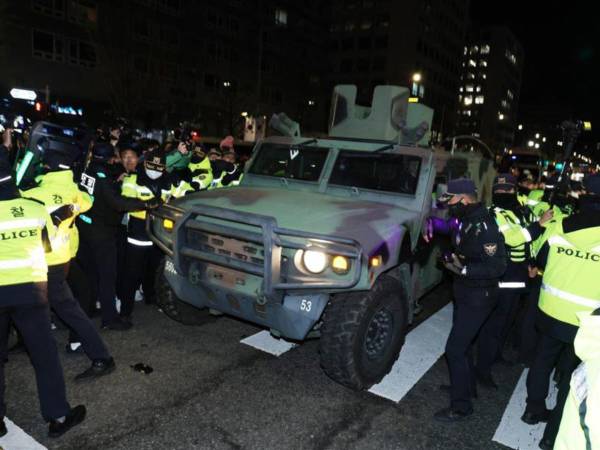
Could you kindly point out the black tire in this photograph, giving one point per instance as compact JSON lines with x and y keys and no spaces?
{"x":362,"y":334}
{"x":174,"y":307}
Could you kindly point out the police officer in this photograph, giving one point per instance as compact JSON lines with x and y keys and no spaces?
{"x":26,"y":230}
{"x":570,"y":260}
{"x":580,"y":423}
{"x":197,"y":176}
{"x":99,"y":227}
{"x":478,"y":262}
{"x":150,"y":181}
{"x":64,"y":201}
{"x":516,"y":224}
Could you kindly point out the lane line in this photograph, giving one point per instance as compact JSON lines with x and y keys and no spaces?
{"x":514,"y":433}
{"x":17,"y":439}
{"x":423,"y":347}
{"x":267,"y":343}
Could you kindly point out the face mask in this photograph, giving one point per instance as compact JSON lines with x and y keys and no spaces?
{"x":458,"y":210}
{"x":505,"y":200}
{"x":196,"y":158}
{"x":153,"y":174}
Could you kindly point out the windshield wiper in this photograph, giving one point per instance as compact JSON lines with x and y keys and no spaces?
{"x":305,"y":143}
{"x":384,"y":148}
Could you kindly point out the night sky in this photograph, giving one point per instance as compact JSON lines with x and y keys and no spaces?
{"x":561,"y":42}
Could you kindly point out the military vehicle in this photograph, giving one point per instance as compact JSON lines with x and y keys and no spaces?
{"x":322,"y":236}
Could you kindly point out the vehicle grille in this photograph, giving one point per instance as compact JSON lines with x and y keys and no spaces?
{"x":247,"y":252}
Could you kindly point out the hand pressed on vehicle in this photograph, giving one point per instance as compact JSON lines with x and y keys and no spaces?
{"x":548,"y":215}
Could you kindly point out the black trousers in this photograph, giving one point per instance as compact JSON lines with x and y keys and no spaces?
{"x":472,"y":308}
{"x":97,"y":256}
{"x":141,"y":264}
{"x":80,"y":287}
{"x":549,"y":350}
{"x":33,"y":322}
{"x":490,"y":344}
{"x":528,"y":334}
{"x":68,"y":310}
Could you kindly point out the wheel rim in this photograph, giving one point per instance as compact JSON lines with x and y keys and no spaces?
{"x":379,"y":333}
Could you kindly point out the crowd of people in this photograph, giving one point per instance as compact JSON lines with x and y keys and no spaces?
{"x":74,"y":242}
{"x":525,"y":270}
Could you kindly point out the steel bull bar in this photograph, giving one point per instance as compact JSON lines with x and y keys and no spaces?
{"x":271,"y":237}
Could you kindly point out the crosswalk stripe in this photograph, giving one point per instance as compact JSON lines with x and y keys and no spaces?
{"x":513,"y":432}
{"x":17,"y":439}
{"x":267,"y":343}
{"x":423,"y":347}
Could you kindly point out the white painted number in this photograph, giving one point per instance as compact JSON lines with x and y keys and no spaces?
{"x":306,"y":305}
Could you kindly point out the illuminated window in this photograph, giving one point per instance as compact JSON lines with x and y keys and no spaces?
{"x":505,"y":104}
{"x":281,"y":17}
{"x":460,"y":89}
{"x":511,"y":56}
{"x":474,"y":50}
{"x":483,"y":63}
{"x":479,"y":100}
{"x":478,"y":88}
{"x":470,"y":76}
{"x":468,"y":100}
{"x":485,"y":49}
{"x":469,"y":88}
{"x":509,"y":94}
{"x":484,"y":76}
{"x":472,"y":63}
{"x":465,"y":50}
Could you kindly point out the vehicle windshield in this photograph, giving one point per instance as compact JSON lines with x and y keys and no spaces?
{"x":285,"y":161}
{"x":377,"y":171}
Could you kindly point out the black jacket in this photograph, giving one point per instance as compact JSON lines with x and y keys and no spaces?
{"x":480,"y":246}
{"x":99,"y":181}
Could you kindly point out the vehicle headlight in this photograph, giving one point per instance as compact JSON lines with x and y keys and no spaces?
{"x":340,"y":265}
{"x":314,"y":261}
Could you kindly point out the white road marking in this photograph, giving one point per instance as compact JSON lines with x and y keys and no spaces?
{"x":514,"y":433}
{"x":17,"y":439}
{"x":423,"y":347}
{"x":267,"y":343}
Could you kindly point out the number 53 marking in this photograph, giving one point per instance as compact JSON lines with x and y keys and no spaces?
{"x":305,"y":305}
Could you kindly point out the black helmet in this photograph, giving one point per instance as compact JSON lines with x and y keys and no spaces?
{"x":58,"y":155}
{"x":103,"y":151}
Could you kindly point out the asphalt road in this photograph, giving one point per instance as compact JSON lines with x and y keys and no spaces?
{"x":208,"y":390}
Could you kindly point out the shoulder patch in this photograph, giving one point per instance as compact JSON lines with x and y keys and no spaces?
{"x":490,"y":248}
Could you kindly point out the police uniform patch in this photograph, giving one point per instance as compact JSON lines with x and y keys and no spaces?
{"x":490,"y":249}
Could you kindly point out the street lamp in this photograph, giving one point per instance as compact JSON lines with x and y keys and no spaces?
{"x":500,"y":116}
{"x":226,"y":84}
{"x":416,"y":77}
{"x":520,"y":127}
{"x":530,"y":144}
{"x":244,"y":114}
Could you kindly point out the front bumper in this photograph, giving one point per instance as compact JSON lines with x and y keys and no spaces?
{"x":239,"y":264}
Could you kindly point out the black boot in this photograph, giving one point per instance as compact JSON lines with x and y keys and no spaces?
{"x":99,"y":368}
{"x":3,"y":429}
{"x":57,"y":427}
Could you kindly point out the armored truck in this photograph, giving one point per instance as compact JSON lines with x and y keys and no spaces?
{"x":322,"y":236}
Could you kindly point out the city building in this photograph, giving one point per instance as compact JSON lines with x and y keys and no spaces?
{"x":413,"y":43}
{"x":158,"y":62}
{"x":490,"y":87}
